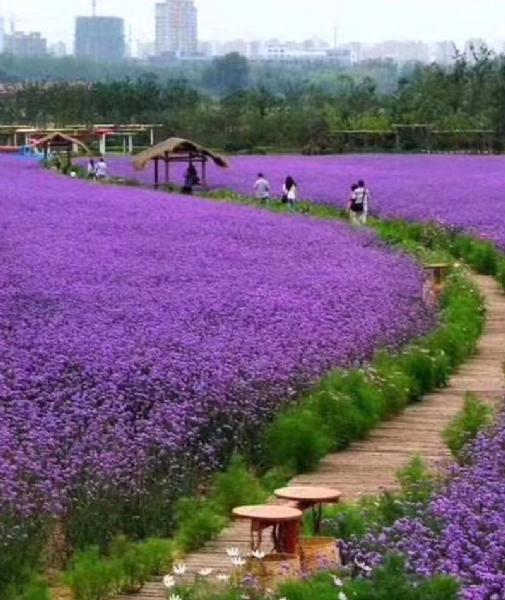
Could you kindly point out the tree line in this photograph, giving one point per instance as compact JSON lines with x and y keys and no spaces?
{"x":236,"y":108}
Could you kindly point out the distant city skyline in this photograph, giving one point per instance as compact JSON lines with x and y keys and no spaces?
{"x":366,"y":21}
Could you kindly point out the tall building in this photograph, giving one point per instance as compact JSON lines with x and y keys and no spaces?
{"x":445,"y":52}
{"x":176,"y":28}
{"x":19,"y":43}
{"x":58,"y":49}
{"x":100,"y":38}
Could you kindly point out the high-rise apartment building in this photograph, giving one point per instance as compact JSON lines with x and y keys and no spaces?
{"x":444,"y":52}
{"x":176,"y":28}
{"x":58,"y":49}
{"x":19,"y":43}
{"x":100,"y":38}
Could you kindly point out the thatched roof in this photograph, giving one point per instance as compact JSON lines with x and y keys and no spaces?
{"x":177,"y":147}
{"x":58,"y":138}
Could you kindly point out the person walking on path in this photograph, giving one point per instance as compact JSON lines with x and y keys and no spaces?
{"x":262,"y":189}
{"x":290,"y":192}
{"x":359,"y":203}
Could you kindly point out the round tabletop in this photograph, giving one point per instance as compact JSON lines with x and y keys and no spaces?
{"x":308,"y":494}
{"x":274,"y":514}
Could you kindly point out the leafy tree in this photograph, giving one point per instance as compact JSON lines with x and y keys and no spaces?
{"x":227,"y":73}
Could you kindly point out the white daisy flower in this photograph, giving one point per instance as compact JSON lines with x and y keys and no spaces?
{"x":363,"y":567}
{"x":232,"y":552}
{"x":258,"y":554}
{"x":179,"y":569}
{"x":168,"y":581}
{"x":238,"y":562}
{"x":205,"y":572}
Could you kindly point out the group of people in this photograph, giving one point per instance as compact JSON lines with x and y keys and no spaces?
{"x":289,"y":190}
{"x":357,"y":207}
{"x":97,"y":170}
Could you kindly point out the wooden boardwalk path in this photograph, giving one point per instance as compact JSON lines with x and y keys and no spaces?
{"x":369,"y":466}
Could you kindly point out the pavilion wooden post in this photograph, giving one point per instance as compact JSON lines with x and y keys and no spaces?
{"x":397,"y":140}
{"x":167,"y":169}
{"x":103,"y":144}
{"x":156,"y":173}
{"x":204,"y":172}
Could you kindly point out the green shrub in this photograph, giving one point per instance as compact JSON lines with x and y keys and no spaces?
{"x":391,"y":582}
{"x":236,"y":487}
{"x":33,"y":590}
{"x":157,"y":555}
{"x":298,"y":440}
{"x":91,"y":577}
{"x":393,"y":381}
{"x":349,"y":404}
{"x":138,"y":561}
{"x":342,"y":419}
{"x":483,"y":257}
{"x":275,"y":478}
{"x":461,"y":246}
{"x":417,"y":483}
{"x":501,"y":272}
{"x":465,"y":427}
{"x":345,"y":521}
{"x":127,"y":567}
{"x":198,"y":523}
{"x":22,"y":557}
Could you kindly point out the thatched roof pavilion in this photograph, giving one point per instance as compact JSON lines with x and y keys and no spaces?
{"x":178,"y":150}
{"x":60,"y":140}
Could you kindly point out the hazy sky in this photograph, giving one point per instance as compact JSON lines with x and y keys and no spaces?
{"x":360,"y":20}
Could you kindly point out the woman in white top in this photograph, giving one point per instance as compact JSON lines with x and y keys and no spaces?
{"x":289,"y":192}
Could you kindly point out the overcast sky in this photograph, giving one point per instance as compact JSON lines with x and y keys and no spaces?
{"x":357,"y":20}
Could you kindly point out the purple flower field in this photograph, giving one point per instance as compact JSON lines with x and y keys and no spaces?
{"x":462,"y":531}
{"x":460,"y":191}
{"x":145,"y":336}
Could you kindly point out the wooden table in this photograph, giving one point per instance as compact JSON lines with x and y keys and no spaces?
{"x":439,"y":273}
{"x":310,"y":498}
{"x":284,"y":521}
